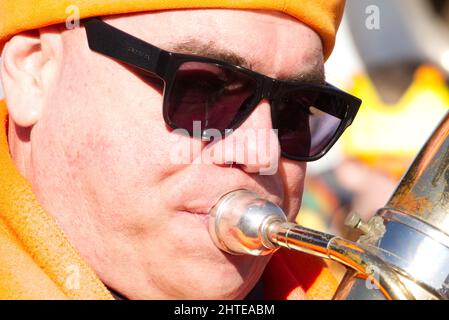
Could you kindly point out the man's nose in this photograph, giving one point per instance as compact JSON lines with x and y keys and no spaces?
{"x":254,"y":145}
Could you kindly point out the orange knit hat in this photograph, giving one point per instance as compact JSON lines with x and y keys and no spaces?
{"x":323,"y":16}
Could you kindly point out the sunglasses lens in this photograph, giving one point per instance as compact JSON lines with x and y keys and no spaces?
{"x":214,"y":95}
{"x":219,"y":97}
{"x":308,"y":120}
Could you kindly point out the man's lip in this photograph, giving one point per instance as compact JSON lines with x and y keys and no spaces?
{"x":204,"y":206}
{"x":206,"y":210}
{"x":203,"y":217}
{"x":195,"y":211}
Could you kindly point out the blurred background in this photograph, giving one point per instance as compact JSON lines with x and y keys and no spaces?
{"x":394,"y":55}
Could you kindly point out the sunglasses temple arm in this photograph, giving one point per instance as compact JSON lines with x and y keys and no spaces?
{"x":105,"y":39}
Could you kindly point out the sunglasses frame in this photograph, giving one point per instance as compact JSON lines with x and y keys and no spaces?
{"x":119,"y":45}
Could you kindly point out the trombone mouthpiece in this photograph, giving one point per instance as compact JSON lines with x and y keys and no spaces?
{"x":243,"y":223}
{"x":238,"y":223}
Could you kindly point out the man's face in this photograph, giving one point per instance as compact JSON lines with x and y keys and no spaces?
{"x":101,"y":155}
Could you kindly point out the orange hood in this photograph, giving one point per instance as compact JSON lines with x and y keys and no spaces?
{"x":323,"y":16}
{"x":38,"y":262}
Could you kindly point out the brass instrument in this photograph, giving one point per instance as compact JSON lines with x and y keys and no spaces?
{"x":404,"y":251}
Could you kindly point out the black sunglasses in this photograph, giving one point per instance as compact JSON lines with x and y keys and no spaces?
{"x":309,"y":118}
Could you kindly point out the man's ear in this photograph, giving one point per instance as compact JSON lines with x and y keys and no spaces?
{"x":29,"y":67}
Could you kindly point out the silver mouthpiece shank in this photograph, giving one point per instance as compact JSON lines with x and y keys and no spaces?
{"x":238,"y":223}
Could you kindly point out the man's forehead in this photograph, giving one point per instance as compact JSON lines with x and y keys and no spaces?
{"x":313,"y":73}
{"x":269,"y":42}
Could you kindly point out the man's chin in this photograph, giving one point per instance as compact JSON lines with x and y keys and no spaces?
{"x":218,"y":281}
{"x":190,"y":266}
{"x":194,"y":241}
{"x":226,"y":276}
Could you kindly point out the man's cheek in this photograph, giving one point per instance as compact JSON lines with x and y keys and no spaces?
{"x":293,"y":175}
{"x":139,"y":161}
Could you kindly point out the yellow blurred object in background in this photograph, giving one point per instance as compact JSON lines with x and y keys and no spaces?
{"x":388,"y":136}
